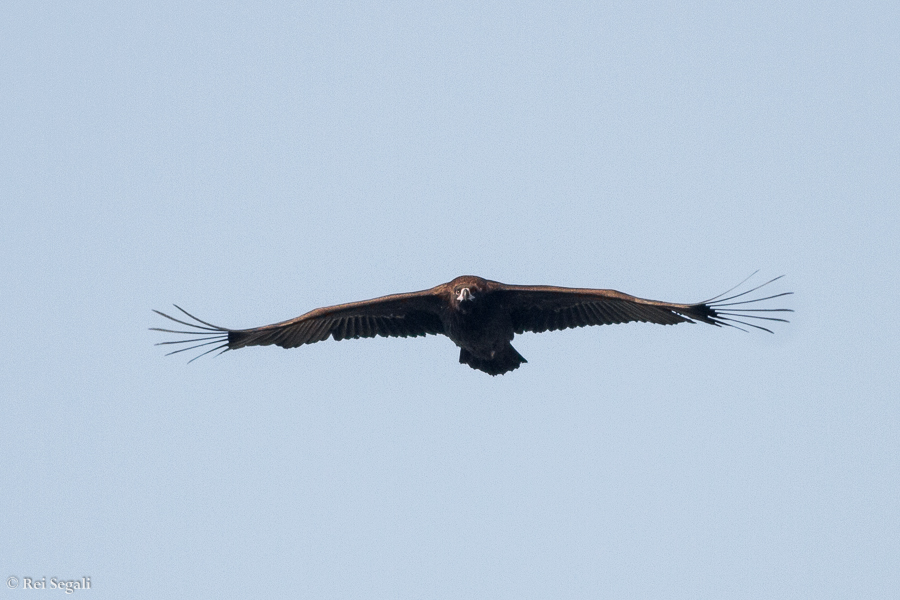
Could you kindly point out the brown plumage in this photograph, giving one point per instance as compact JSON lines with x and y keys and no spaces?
{"x":479,"y":315}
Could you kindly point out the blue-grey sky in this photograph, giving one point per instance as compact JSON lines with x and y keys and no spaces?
{"x":252,"y":161}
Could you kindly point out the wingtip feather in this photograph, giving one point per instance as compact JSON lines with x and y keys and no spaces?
{"x":204,"y":334}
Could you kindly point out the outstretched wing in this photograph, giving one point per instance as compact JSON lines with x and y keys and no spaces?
{"x":398,"y":315}
{"x":545,"y":308}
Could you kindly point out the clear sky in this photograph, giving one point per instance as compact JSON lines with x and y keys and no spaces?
{"x":254,"y":160}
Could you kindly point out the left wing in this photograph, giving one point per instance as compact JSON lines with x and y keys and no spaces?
{"x":541,"y":308}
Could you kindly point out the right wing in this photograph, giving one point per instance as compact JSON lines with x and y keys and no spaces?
{"x":398,"y":315}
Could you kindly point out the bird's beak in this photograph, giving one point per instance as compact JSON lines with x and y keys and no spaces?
{"x":465,"y":294}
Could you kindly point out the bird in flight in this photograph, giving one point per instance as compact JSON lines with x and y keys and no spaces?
{"x":478,"y":315}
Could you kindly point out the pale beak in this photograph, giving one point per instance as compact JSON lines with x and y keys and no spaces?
{"x":465,"y":294}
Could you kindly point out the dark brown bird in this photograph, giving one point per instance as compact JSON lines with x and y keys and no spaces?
{"x":479,"y":315}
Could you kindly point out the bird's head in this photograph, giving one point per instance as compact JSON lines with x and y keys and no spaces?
{"x":465,"y":293}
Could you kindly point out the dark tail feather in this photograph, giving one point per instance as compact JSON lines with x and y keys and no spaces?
{"x":731,"y":312}
{"x":504,"y":361}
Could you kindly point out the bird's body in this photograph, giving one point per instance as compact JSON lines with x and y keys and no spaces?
{"x":480,"y":316}
{"x":481,"y":326}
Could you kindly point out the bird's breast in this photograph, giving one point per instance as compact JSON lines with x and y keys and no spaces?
{"x":482,"y":331}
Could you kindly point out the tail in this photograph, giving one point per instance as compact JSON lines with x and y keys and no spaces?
{"x":504,"y":361}
{"x":721,"y":311}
